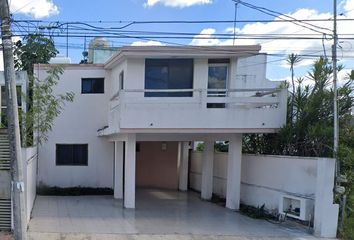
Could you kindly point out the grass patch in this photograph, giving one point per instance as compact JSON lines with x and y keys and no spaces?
{"x":73,"y":191}
{"x":347,"y":232}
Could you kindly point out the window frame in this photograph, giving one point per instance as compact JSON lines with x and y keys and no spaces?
{"x":221,"y":63}
{"x":121,"y":80}
{"x":92,"y":79}
{"x":170,"y":64}
{"x":72,"y":162}
{"x":227,"y":80}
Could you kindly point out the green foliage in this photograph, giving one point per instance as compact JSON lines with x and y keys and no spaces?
{"x":200,"y":147}
{"x":255,"y":212}
{"x":218,"y":146}
{"x":73,"y":191}
{"x":34,"y":48}
{"x":43,"y":105}
{"x":309,"y":128}
{"x":46,"y":106}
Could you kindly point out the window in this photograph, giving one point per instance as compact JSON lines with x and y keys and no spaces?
{"x":217,"y":79}
{"x":121,"y":80}
{"x":71,"y":154}
{"x":4,"y":104}
{"x":92,"y":85}
{"x":169,"y":74}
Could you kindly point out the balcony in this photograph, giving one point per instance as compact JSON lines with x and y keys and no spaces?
{"x":206,"y":111}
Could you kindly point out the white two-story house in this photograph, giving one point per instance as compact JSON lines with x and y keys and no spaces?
{"x":134,"y":116}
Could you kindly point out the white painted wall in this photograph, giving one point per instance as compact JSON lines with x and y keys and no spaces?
{"x":133,"y":111}
{"x":265,"y":178}
{"x":78,"y":124}
{"x":29,"y":159}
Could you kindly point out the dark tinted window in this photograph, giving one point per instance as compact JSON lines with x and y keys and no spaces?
{"x":92,"y":85}
{"x":72,"y":154}
{"x":169,"y":74}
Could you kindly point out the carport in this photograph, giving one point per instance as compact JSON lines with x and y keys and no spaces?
{"x":157,"y":212}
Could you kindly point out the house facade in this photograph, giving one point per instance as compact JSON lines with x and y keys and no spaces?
{"x":133,"y":118}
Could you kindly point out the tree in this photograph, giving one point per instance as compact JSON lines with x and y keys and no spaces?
{"x":293,"y":59}
{"x":43,"y":106}
{"x":33,"y":49}
{"x":46,"y":106}
{"x":310,"y":131}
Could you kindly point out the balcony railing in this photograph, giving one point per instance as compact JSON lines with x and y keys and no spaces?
{"x":130,"y":108}
{"x":262,"y":96}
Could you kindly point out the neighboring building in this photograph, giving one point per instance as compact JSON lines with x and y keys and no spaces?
{"x":21,"y":86}
{"x":148,"y":103}
{"x":5,"y":160}
{"x":100,"y":50}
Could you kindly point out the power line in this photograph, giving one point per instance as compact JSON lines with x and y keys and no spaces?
{"x":191,"y":21}
{"x":280,"y":15}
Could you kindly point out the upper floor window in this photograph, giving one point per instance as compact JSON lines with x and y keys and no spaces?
{"x":218,"y":74}
{"x":169,"y":74}
{"x":92,"y":85}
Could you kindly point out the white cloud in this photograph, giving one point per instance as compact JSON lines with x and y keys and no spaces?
{"x":205,"y":38}
{"x":147,"y":43}
{"x":34,"y":8}
{"x":176,"y":3}
{"x":309,"y":47}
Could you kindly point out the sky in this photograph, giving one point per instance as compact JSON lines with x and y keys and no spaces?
{"x":111,"y":12}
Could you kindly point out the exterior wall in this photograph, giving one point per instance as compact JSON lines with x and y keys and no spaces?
{"x":29,"y":158}
{"x":78,"y":123}
{"x":245,"y":112}
{"x":156,"y":167}
{"x":264,"y":178}
{"x":251,"y":72}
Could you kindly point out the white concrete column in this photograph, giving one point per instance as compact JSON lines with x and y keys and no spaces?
{"x":326,"y":213}
{"x":183,"y":166}
{"x":129,"y":171}
{"x":207,"y":171}
{"x":233,"y":185}
{"x":118,"y":169}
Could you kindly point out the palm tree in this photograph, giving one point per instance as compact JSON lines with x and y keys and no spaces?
{"x":292,"y":59}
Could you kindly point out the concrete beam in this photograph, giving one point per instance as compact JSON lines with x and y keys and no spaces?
{"x":118,"y":169}
{"x":207,"y":171}
{"x":233,"y":185}
{"x":129,"y":167}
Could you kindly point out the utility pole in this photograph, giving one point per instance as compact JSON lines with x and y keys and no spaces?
{"x":17,"y":185}
{"x":335,"y":93}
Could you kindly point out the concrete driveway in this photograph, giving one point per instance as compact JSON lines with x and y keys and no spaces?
{"x":158,"y":215}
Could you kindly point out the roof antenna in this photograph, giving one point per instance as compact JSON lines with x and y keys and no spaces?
{"x":233,"y":43}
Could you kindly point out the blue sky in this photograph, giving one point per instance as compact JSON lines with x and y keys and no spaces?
{"x":151,"y":10}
